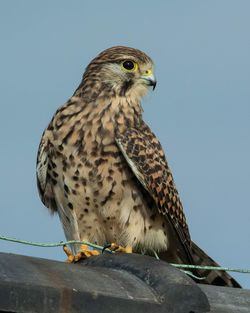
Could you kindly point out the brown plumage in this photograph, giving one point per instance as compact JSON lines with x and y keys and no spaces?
{"x":104,"y":172}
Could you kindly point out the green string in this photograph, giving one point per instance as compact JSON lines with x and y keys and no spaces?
{"x":53,"y":244}
{"x":62,"y":243}
{"x":212,"y":268}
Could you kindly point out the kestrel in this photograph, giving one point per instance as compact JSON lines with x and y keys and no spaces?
{"x":103,"y":170}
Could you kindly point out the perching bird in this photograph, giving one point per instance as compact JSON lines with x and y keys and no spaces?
{"x":103,"y":170}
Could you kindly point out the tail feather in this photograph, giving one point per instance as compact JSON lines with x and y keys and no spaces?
{"x":199,"y":257}
{"x":218,"y":278}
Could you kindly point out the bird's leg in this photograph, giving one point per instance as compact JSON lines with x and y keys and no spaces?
{"x":115,"y":247}
{"x":83,"y":253}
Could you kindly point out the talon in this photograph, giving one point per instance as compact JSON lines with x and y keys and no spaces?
{"x":70,"y":256}
{"x":117,"y":248}
{"x":83,"y":253}
{"x":107,"y":246}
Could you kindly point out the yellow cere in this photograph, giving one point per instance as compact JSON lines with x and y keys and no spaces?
{"x":148,"y":72}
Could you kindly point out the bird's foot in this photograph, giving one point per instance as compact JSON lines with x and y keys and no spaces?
{"x":83,"y":253}
{"x":115,"y":247}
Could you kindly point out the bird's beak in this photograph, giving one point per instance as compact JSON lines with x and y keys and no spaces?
{"x":150,"y":80}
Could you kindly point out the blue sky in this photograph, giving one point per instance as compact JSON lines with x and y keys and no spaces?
{"x":200,"y":109}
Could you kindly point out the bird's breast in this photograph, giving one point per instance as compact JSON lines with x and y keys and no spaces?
{"x":96,"y":189}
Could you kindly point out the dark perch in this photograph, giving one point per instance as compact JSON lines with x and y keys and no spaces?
{"x":109,"y":283}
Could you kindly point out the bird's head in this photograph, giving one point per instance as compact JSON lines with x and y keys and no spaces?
{"x":120,"y":71}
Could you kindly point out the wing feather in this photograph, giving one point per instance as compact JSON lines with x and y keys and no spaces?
{"x":44,"y":180}
{"x":145,"y":156}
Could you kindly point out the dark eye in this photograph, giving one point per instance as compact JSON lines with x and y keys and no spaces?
{"x":128,"y":65}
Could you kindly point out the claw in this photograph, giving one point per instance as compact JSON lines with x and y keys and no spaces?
{"x":83,"y":253}
{"x":106,"y":246}
{"x":115,"y":247}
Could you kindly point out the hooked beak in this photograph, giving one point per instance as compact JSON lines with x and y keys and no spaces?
{"x":150,"y":80}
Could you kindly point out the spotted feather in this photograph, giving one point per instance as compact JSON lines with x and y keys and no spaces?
{"x":146,"y":158}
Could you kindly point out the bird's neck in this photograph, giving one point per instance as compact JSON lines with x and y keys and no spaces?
{"x":95,"y":124}
{"x":103,"y":101}
{"x":109,"y":115}
{"x":104,"y":113}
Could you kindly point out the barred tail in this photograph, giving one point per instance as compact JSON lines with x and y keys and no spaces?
{"x":218,"y":278}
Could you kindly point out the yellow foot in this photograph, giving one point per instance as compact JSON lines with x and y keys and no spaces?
{"x":83,"y":253}
{"x":115,"y":247}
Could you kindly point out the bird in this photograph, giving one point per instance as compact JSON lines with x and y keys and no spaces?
{"x":102,"y":169}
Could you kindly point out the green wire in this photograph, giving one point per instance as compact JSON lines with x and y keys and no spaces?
{"x":53,"y":244}
{"x":62,"y":243}
{"x":213,"y":268}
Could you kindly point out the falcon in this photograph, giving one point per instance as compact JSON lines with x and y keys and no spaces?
{"x":102,"y":169}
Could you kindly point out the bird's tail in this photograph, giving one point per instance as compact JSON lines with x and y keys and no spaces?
{"x":199,"y":257}
{"x":218,"y":278}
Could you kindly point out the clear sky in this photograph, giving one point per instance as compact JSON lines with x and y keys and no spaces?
{"x":200,"y":109}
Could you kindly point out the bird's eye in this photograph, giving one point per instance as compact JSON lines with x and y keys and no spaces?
{"x":129,"y":65}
